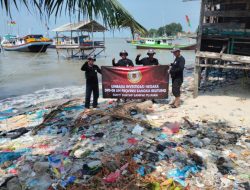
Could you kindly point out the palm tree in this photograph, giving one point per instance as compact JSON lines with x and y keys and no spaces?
{"x":113,"y":14}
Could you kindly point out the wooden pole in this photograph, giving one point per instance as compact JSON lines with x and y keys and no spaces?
{"x":197,"y":71}
{"x":93,"y":43}
{"x":71,"y":38}
{"x":197,"y":67}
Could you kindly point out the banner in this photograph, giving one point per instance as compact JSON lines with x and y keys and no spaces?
{"x":147,"y":82}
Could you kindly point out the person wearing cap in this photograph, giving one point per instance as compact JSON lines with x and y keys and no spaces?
{"x":176,"y":72}
{"x":150,"y":60}
{"x":91,"y":71}
{"x":124,"y":61}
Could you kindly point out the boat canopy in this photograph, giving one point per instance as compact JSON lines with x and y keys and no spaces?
{"x":33,"y":36}
{"x":9,"y":37}
{"x":88,"y":26}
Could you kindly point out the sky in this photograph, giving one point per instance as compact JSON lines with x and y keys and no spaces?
{"x":149,"y":13}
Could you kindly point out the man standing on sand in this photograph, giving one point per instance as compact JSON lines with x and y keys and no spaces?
{"x":146,"y":61}
{"x":176,"y":72}
{"x":91,"y":81}
{"x":123,"y":62}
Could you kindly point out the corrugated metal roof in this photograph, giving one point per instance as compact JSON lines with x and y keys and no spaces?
{"x":87,"y":26}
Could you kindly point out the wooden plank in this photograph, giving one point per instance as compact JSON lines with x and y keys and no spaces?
{"x":206,"y":54}
{"x":245,"y":13}
{"x":226,"y":66}
{"x":223,"y":56}
{"x":229,"y":25}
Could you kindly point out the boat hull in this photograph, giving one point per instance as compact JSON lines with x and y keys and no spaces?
{"x":35,"y":47}
{"x":166,"y":47}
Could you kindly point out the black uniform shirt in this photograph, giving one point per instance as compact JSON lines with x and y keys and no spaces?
{"x":91,"y":73}
{"x":177,"y":68}
{"x":146,"y":61}
{"x":123,"y":63}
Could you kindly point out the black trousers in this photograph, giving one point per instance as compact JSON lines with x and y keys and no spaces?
{"x":176,"y":86}
{"x":89,"y":89}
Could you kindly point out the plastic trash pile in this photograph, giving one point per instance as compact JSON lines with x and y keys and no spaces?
{"x":118,"y":147}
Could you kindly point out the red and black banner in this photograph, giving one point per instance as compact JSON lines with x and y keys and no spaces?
{"x":147,"y":82}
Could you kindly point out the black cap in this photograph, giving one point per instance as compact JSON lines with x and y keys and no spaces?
{"x":91,"y":57}
{"x":151,"y":51}
{"x":124,"y":52}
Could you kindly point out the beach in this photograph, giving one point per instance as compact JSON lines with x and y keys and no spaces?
{"x":209,"y":134}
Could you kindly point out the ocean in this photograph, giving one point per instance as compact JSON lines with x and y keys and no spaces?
{"x":26,"y":73}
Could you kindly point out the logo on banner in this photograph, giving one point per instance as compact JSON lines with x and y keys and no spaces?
{"x":134,"y":76}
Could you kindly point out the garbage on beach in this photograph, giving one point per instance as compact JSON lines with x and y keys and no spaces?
{"x":117,"y":147}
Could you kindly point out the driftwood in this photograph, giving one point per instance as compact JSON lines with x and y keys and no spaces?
{"x":188,"y":122}
{"x":93,"y":117}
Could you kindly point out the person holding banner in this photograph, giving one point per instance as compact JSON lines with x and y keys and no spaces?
{"x":176,"y":72}
{"x":146,"y":61}
{"x":91,"y":71}
{"x":123,"y":62}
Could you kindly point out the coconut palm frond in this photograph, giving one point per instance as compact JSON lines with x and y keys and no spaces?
{"x":112,"y":12}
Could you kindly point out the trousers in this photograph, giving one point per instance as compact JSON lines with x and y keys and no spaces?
{"x":89,"y":89}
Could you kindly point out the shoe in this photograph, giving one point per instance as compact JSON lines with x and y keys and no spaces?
{"x":174,"y":106}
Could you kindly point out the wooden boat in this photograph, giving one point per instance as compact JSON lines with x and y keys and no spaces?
{"x":163,"y":43}
{"x":29,"y":43}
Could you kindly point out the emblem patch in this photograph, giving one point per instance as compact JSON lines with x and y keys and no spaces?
{"x":134,"y":76}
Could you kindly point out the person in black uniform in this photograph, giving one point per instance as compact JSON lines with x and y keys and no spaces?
{"x":147,"y":61}
{"x":123,"y":62}
{"x":176,"y":72}
{"x":150,"y":60}
{"x":91,"y":71}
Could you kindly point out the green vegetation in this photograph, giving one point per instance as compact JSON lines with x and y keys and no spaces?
{"x":113,"y":14}
{"x":169,"y":30}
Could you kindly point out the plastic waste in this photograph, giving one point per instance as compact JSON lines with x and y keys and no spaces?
{"x":39,"y":182}
{"x":14,"y":184}
{"x":86,"y":170}
{"x":100,"y":135}
{"x":133,"y":112}
{"x":171,"y":128}
{"x":141,"y":171}
{"x":8,"y":156}
{"x":155,"y":186}
{"x":70,"y":180}
{"x":137,"y":130}
{"x":196,"y":142}
{"x":113,"y":177}
{"x":180,"y":175}
{"x":94,"y":164}
{"x":162,"y":137}
{"x":132,"y":141}
{"x":79,"y":107}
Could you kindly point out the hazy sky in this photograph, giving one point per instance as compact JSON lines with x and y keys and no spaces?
{"x":151,"y":14}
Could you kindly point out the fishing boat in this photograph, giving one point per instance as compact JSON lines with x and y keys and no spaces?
{"x":163,"y":43}
{"x":29,"y":43}
{"x":135,"y":41}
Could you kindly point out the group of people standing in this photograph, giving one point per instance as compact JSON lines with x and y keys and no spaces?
{"x":91,"y":70}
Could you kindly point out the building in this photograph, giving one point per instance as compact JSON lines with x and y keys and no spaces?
{"x":223,"y":37}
